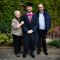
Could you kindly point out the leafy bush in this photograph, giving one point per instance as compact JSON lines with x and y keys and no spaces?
{"x":5,"y":40}
{"x":55,"y":43}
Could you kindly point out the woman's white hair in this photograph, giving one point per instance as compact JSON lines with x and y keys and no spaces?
{"x":16,"y":11}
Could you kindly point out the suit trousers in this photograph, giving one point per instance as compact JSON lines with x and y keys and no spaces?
{"x":30,"y":42}
{"x":42,"y":40}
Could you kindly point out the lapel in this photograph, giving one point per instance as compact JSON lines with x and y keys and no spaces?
{"x":26,"y":18}
{"x":45,"y":18}
{"x":37,"y":14}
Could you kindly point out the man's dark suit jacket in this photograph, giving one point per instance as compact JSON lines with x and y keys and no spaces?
{"x":30,"y":26}
{"x":30,"y":39}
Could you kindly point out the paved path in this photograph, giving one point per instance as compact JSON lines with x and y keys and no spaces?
{"x":8,"y":54}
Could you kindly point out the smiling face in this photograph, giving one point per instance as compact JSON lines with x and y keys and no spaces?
{"x":29,"y":9}
{"x":41,"y":7}
{"x":17,"y":14}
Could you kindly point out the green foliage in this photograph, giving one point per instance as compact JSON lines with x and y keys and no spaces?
{"x":5,"y":39}
{"x":55,"y":43}
{"x":7,"y":8}
{"x":6,"y":14}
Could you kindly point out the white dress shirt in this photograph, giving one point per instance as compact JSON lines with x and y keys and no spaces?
{"x":41,"y":21}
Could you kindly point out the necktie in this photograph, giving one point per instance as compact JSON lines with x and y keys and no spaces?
{"x":30,"y":17}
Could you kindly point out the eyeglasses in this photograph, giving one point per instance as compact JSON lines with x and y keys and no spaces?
{"x":40,"y":7}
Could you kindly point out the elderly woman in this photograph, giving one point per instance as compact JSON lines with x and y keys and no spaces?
{"x":17,"y":32}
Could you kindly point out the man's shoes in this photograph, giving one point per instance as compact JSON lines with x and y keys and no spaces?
{"x":24,"y":55}
{"x":21,"y":52}
{"x":18,"y":55}
{"x":45,"y":53}
{"x":32,"y":55}
{"x":38,"y":52}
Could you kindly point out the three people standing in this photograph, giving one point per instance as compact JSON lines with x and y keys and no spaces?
{"x":35,"y":28}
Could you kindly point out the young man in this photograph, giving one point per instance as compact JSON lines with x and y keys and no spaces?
{"x":44,"y":26}
{"x":29,"y":31}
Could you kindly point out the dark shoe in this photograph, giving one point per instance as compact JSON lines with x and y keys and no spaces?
{"x":17,"y":55}
{"x":21,"y":52}
{"x":24,"y":56}
{"x":38,"y":52}
{"x":45,"y":53}
{"x":32,"y":55}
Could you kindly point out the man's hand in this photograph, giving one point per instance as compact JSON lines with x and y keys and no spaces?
{"x":30,"y":31}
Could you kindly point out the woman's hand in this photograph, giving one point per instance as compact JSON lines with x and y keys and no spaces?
{"x":22,"y":22}
{"x":19,"y":25}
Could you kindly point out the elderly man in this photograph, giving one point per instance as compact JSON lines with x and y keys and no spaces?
{"x":44,"y":26}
